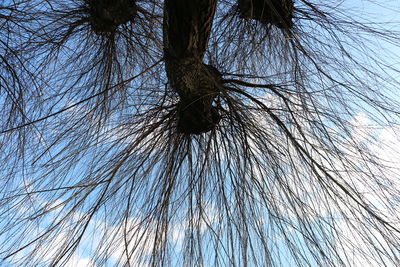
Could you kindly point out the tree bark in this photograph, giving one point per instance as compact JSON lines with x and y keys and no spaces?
{"x":107,"y":15}
{"x":275,"y":12}
{"x":187,"y":27}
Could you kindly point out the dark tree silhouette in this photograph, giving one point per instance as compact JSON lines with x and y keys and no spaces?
{"x":198,"y":133}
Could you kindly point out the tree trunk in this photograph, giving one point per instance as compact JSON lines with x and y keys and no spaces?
{"x":187,"y":27}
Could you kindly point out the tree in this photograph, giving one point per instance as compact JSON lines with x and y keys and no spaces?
{"x":193,"y":133}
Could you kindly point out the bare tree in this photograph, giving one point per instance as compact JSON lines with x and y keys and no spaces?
{"x":198,"y":133}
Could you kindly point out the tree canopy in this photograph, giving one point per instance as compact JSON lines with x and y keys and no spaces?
{"x":199,"y":133}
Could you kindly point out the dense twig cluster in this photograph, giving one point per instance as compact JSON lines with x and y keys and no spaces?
{"x":276,"y":12}
{"x":196,"y":133}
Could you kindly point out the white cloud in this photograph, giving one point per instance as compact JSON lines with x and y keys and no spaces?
{"x":77,"y":261}
{"x":378,"y":182}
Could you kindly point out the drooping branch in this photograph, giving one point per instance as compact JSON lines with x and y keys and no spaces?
{"x":187,"y":27}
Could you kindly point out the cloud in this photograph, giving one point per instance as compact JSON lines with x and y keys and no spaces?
{"x":77,"y":261}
